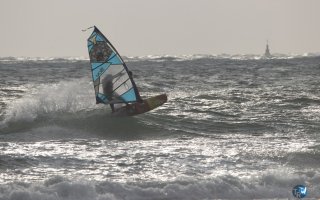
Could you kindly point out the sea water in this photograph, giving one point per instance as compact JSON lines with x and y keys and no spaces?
{"x":234,"y":127}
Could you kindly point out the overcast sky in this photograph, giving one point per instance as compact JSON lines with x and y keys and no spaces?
{"x":155,"y":27}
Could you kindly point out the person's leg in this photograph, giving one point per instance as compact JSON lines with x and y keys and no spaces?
{"x":112,"y":107}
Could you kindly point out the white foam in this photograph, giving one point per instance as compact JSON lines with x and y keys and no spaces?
{"x":62,"y":97}
{"x":267,"y":186}
{"x":161,"y":58}
{"x":23,"y":59}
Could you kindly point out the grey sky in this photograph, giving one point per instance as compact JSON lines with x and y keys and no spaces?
{"x":142,"y":27}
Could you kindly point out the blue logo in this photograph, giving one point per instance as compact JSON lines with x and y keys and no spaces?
{"x":299,"y":191}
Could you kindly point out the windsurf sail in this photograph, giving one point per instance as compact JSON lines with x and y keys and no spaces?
{"x":110,"y":75}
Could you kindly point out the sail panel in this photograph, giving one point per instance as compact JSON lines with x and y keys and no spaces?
{"x":114,"y":59}
{"x":99,"y":38}
{"x":96,"y":65}
{"x":90,"y":47}
{"x":129,"y":95}
{"x":101,"y":97}
{"x":100,"y":69}
{"x":112,"y":83}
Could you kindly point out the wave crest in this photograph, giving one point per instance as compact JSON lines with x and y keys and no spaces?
{"x":225,"y":187}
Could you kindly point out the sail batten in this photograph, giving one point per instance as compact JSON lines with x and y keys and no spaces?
{"x":111,"y":81}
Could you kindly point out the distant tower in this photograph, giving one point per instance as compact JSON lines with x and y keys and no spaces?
{"x":267,"y":53}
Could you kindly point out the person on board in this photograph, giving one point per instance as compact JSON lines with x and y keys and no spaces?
{"x":107,"y":86}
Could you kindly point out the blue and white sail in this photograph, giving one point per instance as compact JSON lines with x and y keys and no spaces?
{"x":112,"y":83}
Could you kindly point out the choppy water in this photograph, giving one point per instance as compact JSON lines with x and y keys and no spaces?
{"x":234,"y":127}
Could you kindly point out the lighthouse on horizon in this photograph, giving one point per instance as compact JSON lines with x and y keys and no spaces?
{"x":267,"y":52}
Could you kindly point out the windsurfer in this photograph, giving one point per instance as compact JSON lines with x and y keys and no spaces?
{"x":107,"y":86}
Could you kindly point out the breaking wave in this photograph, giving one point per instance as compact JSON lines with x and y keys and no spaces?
{"x":168,"y":57}
{"x":268,"y":186}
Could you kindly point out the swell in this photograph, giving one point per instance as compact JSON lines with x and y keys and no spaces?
{"x":305,"y":101}
{"x":269,"y":185}
{"x":95,"y":123}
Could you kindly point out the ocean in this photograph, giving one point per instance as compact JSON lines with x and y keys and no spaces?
{"x":234,"y":127}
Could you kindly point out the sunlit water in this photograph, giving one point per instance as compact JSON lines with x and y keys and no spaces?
{"x":234,"y":127}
